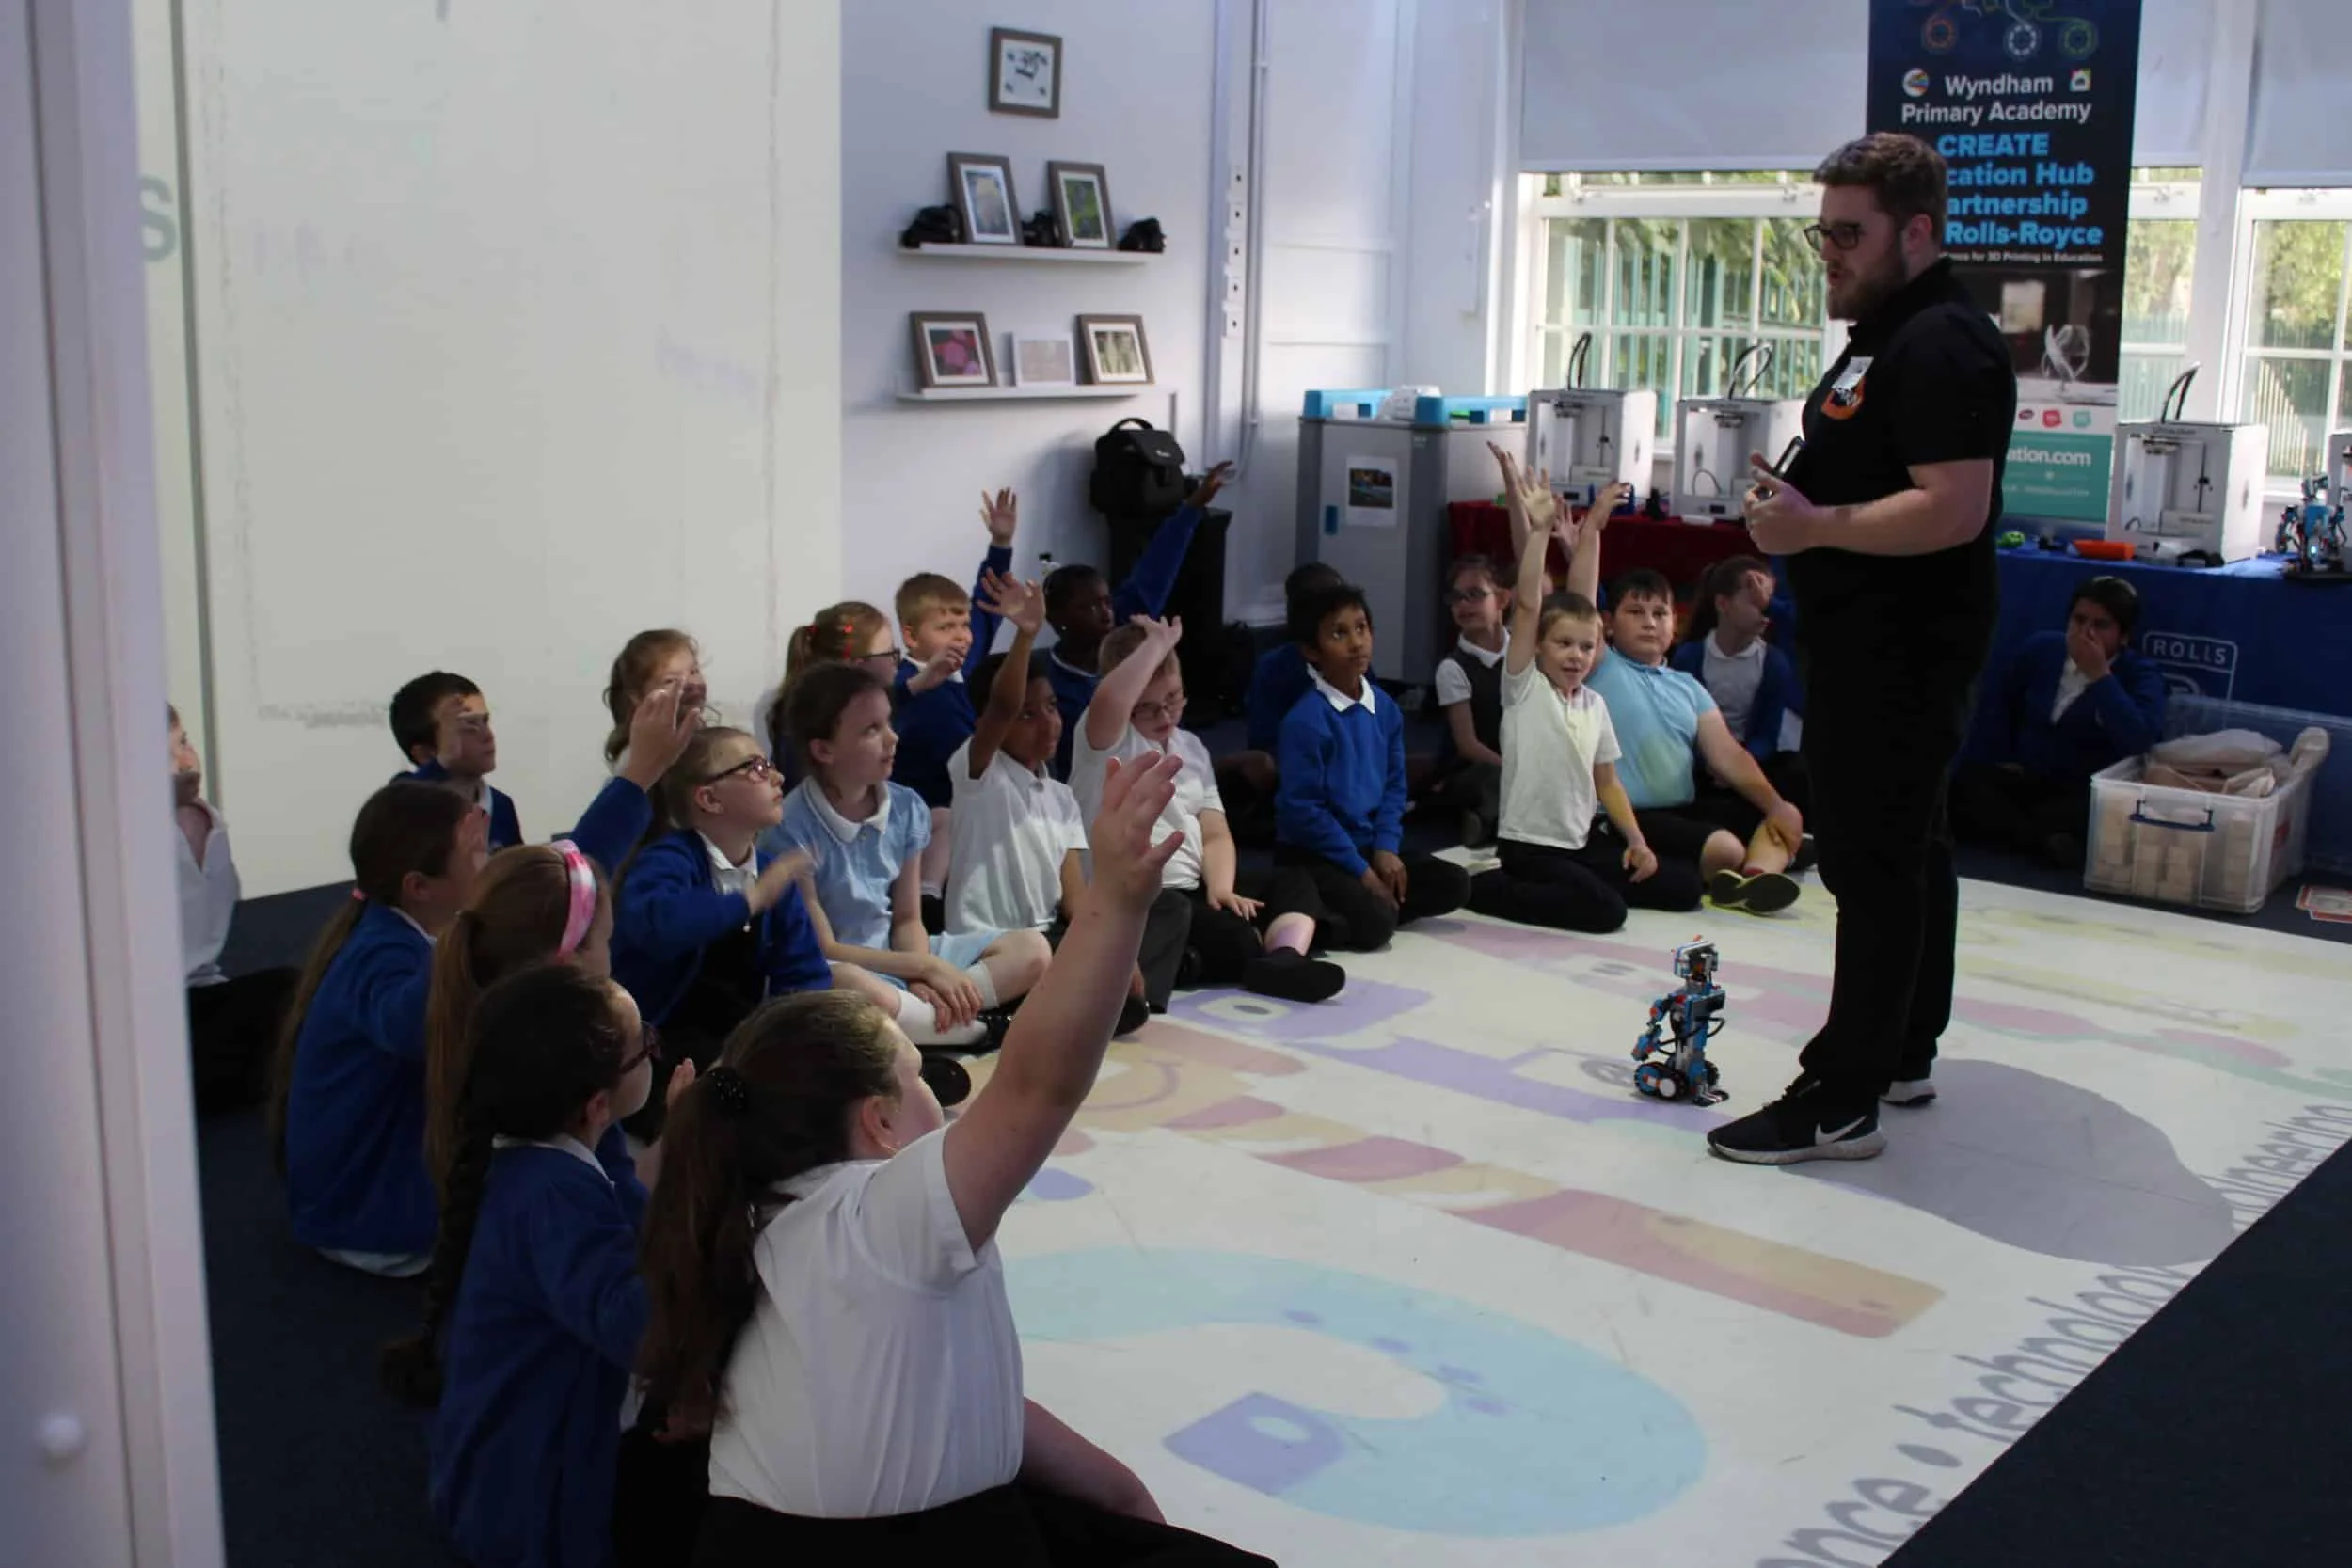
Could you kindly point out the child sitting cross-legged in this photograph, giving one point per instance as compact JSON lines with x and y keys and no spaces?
{"x":1339,"y":811}
{"x":1201,"y":930}
{"x":1559,"y":761}
{"x":1470,"y":693}
{"x":864,"y":838}
{"x":825,"y":1281}
{"x":536,"y":1309}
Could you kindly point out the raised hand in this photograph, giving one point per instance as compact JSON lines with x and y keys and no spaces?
{"x":1167,"y":634}
{"x":1211,"y":482}
{"x":1007,"y":596}
{"x":658,"y":731}
{"x":1127,"y":864}
{"x":1002,"y":514}
{"x":934,"y":671}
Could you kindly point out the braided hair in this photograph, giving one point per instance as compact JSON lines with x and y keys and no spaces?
{"x":543,"y":1042}
{"x":780,"y":1102}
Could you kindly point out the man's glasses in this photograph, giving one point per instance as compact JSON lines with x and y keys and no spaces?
{"x":1145,"y":713}
{"x":754,"y":767}
{"x":1822,"y":236}
{"x":648,"y":1049}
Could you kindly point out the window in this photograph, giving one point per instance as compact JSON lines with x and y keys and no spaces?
{"x":2297,"y":343}
{"x":1674,"y":275}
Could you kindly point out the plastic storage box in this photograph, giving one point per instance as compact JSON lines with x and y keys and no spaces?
{"x":2187,"y":847}
{"x":2327,"y":842}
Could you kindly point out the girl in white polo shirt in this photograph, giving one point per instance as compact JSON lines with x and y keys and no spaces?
{"x":1558,"y":759}
{"x":823,"y":1275}
{"x":1202,"y":930}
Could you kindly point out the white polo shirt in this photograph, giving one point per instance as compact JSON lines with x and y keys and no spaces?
{"x":208,"y":900}
{"x":1732,"y":680}
{"x":879,"y":1373}
{"x":1196,"y":792}
{"x":1550,"y":746}
{"x":1010,"y":829}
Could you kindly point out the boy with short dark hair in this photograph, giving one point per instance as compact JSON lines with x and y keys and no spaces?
{"x":1082,"y":608}
{"x":443,"y":727}
{"x":1338,"y":810}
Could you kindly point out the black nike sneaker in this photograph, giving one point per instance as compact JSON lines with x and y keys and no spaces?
{"x":1806,"y":1123}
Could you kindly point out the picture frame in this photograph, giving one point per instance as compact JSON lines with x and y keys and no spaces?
{"x":1045,"y":359}
{"x":1023,"y":73}
{"x":1116,"y":351}
{"x":951,"y":349}
{"x":1081,"y":205}
{"x":981,"y":184}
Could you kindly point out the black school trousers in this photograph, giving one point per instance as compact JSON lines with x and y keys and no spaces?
{"x":232,"y":1035}
{"x":1881,"y":727}
{"x":1589,"y":890}
{"x":1009,"y":1526}
{"x":1348,"y":914}
{"x":1999,"y":809}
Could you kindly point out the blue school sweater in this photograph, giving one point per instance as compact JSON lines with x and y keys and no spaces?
{"x":931,"y":724}
{"x":2120,"y":717}
{"x":536,"y":1360}
{"x":670,"y":909}
{"x":613,"y":824}
{"x":1773,"y":693}
{"x":1277,"y":681}
{"x":1343,"y":790}
{"x":355,"y":1121}
{"x":1144,"y":593}
{"x":506,"y":831}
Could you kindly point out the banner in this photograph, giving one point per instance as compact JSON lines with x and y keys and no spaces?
{"x":2030,"y":103}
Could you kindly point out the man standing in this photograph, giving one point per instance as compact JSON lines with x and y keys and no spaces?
{"x":1886,"y":520}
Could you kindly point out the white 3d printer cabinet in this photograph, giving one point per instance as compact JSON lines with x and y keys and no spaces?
{"x":1587,"y":438}
{"x":1713,"y":437}
{"x":2192,"y":492}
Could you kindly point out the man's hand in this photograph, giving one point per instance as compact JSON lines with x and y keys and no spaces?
{"x":1002,"y":514}
{"x":1211,"y":482}
{"x":2088,"y":656}
{"x":1007,"y":596}
{"x":1391,"y":871}
{"x":1780,"y":519}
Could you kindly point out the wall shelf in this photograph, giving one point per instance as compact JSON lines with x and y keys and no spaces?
{"x":1015,"y":394}
{"x":1027,"y":253}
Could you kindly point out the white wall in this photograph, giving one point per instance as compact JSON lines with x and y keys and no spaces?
{"x":516,"y":329}
{"x":1137,"y":86}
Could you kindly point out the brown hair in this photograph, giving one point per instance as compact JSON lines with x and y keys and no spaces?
{"x":1486,"y":567}
{"x":837,"y":634}
{"x":632,"y":671}
{"x":516,"y":919}
{"x":1719,"y":581}
{"x":1902,"y":173}
{"x":814,"y":704}
{"x":1121,"y":642}
{"x":804,"y":1063}
{"x":674,"y":793}
{"x":404,"y":827}
{"x":1566,"y":605}
{"x":925,"y":592}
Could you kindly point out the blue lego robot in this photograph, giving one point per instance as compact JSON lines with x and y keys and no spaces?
{"x":2310,"y":536}
{"x":1675,"y":1067}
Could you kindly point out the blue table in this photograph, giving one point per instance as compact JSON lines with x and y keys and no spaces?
{"x":2238,"y":632}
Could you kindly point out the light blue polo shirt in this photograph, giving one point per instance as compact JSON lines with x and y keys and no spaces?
{"x":1656,"y":710}
{"x":856,"y":862}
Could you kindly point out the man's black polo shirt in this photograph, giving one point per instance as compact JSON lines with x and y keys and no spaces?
{"x":1926,"y":379}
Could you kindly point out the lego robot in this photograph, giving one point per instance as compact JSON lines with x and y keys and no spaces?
{"x":1671,"y":1050}
{"x":2310,"y":536}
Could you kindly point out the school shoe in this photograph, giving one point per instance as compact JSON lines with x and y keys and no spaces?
{"x":1759,"y":893}
{"x":950,"y":1083}
{"x":1806,"y":1123}
{"x":1289,"y":975}
{"x":1805,"y":858}
{"x":1909,"y":1092}
{"x":1134,"y":1014}
{"x":1475,"y":833}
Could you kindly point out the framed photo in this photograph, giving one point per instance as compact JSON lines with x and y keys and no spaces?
{"x":1023,"y":73}
{"x":1044,"y":359}
{"x":1082,"y":204}
{"x":1116,"y":353}
{"x":951,"y":349}
{"x":982,"y":183}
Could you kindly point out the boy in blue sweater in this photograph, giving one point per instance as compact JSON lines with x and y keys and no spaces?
{"x":1246,"y":780}
{"x":2065,"y":705}
{"x":1339,"y":811}
{"x":443,"y":727}
{"x":930,"y":698}
{"x":1082,"y":609}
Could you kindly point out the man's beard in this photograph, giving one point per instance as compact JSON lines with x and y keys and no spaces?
{"x":1865,"y":292}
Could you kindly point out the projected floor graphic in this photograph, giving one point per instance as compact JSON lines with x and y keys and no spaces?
{"x":1416,"y":1277}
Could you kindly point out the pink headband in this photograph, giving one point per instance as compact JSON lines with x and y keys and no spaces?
{"x":583,"y":909}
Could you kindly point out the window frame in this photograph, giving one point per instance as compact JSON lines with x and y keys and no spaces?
{"x":2259,"y":205}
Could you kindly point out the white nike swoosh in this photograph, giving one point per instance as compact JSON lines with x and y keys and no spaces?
{"x":1822,"y":1135}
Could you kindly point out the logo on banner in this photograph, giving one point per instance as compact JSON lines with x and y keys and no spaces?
{"x":2192,"y":666}
{"x":2080,"y":81}
{"x":1916,"y":82}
